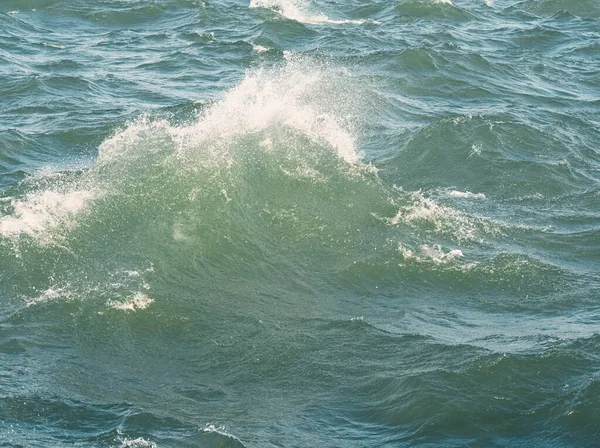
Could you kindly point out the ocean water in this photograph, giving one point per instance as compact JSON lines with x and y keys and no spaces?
{"x":293,"y":223}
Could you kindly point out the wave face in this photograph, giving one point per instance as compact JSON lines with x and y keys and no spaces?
{"x":294,"y":223}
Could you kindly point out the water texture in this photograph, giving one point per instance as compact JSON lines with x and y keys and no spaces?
{"x":293,"y":223}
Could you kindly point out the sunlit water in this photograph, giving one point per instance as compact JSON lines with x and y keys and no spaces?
{"x":299,"y":224}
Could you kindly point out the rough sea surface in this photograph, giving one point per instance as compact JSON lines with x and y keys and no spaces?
{"x":290,"y":223}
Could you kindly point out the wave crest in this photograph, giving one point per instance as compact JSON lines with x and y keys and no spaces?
{"x":300,"y":11}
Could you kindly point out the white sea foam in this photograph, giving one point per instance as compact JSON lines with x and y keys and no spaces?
{"x":137,"y":443}
{"x":259,"y":48}
{"x":428,"y":253}
{"x":51,"y":294}
{"x":296,"y":96}
{"x":425,"y":212}
{"x":285,"y":96}
{"x":300,"y":11}
{"x":436,"y":254}
{"x":221,"y":430}
{"x":465,"y":194}
{"x":42,"y":211}
{"x":119,"y":145}
{"x":212,"y":428}
{"x":139,"y":301}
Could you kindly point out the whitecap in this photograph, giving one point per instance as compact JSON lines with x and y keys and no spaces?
{"x":139,"y":301}
{"x":42,"y":211}
{"x":140,"y":442}
{"x":266,"y":98}
{"x":300,"y":11}
{"x":465,"y":194}
{"x":259,"y":48}
{"x":429,"y":253}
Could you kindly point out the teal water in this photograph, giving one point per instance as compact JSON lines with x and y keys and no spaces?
{"x":283,"y":223}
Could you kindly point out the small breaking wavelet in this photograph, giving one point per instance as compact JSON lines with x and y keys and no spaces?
{"x":301,"y":11}
{"x":218,"y":436}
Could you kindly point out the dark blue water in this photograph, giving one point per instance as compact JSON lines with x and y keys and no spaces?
{"x":292,"y":224}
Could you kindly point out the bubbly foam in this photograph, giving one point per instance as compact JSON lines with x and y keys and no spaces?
{"x":424,"y":211}
{"x":429,"y":253}
{"x":270,"y":97}
{"x":285,"y":96}
{"x":42,"y":211}
{"x":300,"y":11}
{"x":140,"y":442}
{"x":465,"y":194}
{"x":51,"y":294}
{"x":139,"y":301}
{"x":259,"y":48}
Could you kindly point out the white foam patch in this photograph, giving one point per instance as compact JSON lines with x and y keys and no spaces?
{"x":300,"y":11}
{"x":139,"y":301}
{"x":42,"y":211}
{"x":429,"y":253}
{"x":302,"y":95}
{"x":51,"y":294}
{"x":465,"y":194}
{"x":212,"y":428}
{"x":284,"y":96}
{"x":424,"y":212}
{"x":140,"y":442}
{"x":259,"y":48}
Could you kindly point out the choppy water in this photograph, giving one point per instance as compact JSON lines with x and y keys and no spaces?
{"x":299,"y":224}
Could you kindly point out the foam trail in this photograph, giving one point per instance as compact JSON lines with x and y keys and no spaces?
{"x":300,"y":11}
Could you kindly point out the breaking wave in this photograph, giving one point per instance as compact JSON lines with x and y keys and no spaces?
{"x":301,"y":11}
{"x":270,"y":175}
